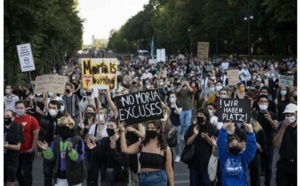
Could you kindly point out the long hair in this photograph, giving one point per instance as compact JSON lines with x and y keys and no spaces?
{"x":287,"y":96}
{"x":205,"y":111}
{"x":94,"y":117}
{"x":161,"y":141}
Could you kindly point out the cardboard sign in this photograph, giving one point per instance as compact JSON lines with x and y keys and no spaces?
{"x":139,"y":107}
{"x":236,"y":110}
{"x":233,"y":77}
{"x":203,"y":50}
{"x":98,"y":73}
{"x":50,"y":83}
{"x":161,"y":55}
{"x":25,"y":57}
{"x":286,"y":81}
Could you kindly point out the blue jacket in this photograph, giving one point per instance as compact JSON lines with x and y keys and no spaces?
{"x":235,"y":168}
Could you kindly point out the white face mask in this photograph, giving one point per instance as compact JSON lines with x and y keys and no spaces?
{"x":62,"y":108}
{"x":172,"y":100}
{"x":101,"y":117}
{"x":165,"y":118}
{"x":161,"y":83}
{"x":147,"y":86}
{"x":263,"y":107}
{"x":223,"y":96}
{"x":211,"y":112}
{"x":7,"y":91}
{"x":52,"y":112}
{"x":292,"y":119}
{"x":218,"y":88}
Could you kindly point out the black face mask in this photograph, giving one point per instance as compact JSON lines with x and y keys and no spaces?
{"x":89,"y":114}
{"x":68,"y":91}
{"x":151,"y":133}
{"x":88,"y":93}
{"x":110,"y":132}
{"x":257,"y":87}
{"x":200,"y":120}
{"x":235,"y":150}
{"x":64,"y":132}
{"x":40,"y":105}
{"x":7,"y":121}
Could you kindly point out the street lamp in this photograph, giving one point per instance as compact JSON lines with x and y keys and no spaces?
{"x":248,"y":17}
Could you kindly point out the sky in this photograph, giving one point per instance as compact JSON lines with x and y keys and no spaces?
{"x":101,"y":16}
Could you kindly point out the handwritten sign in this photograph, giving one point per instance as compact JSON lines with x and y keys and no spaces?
{"x":286,"y":81}
{"x":25,"y":57}
{"x":236,"y":110}
{"x":139,"y":107}
{"x":50,"y":83}
{"x":203,"y":49}
{"x":98,"y":73}
{"x":233,"y":77}
{"x":161,"y":55}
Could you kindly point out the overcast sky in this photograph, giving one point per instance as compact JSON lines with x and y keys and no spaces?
{"x":101,"y":16}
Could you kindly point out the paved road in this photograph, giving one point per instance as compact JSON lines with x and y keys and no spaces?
{"x":181,"y":173}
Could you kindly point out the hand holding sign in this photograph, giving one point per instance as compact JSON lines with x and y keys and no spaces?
{"x":227,"y":124}
{"x":236,"y":110}
{"x":248,"y":126}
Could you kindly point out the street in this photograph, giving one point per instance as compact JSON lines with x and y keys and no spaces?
{"x":181,"y":172}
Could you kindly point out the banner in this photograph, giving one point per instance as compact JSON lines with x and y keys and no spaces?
{"x":233,"y":77}
{"x":139,"y":107}
{"x":25,"y":57}
{"x":236,"y":110}
{"x":161,"y":55}
{"x":286,"y":81}
{"x":203,"y":50}
{"x":50,"y":83}
{"x":98,"y":73}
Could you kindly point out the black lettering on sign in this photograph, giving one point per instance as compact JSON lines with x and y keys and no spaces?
{"x":236,"y":110}
{"x":139,"y":107}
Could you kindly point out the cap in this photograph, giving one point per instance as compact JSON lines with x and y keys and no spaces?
{"x":290,"y":108}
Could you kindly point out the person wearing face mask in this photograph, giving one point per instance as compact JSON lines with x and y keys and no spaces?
{"x":224,"y":79}
{"x":240,"y":92}
{"x":155,"y":156}
{"x":162,"y":90}
{"x":212,"y":110}
{"x":27,"y":150}
{"x":255,"y":90}
{"x":293,"y":98}
{"x":67,"y":153}
{"x":72,"y":103}
{"x":286,"y":139}
{"x":213,"y":97}
{"x":269,"y":123}
{"x":273,"y":85}
{"x":111,"y":157}
{"x":271,"y":106}
{"x":89,"y":100}
{"x":282,"y":100}
{"x":147,"y":74}
{"x":13,"y":138}
{"x":234,"y":162}
{"x":136,"y":85}
{"x":200,"y":135}
{"x":176,"y":110}
{"x":10,"y":99}
{"x":48,"y":129}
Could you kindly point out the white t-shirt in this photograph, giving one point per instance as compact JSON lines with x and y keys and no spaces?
{"x":10,"y":102}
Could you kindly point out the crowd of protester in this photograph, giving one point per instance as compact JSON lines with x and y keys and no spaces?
{"x":78,"y":137}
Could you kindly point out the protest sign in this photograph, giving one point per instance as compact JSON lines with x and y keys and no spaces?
{"x":286,"y":81}
{"x":50,"y":83}
{"x":25,"y":57}
{"x":236,"y":110}
{"x":233,"y":77}
{"x":202,"y":50}
{"x":139,"y":107}
{"x":98,"y":73}
{"x":161,"y":55}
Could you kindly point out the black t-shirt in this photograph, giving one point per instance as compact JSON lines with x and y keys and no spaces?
{"x":174,"y":116}
{"x":13,"y":135}
{"x":265,"y":124}
{"x":202,"y":148}
{"x":288,"y":148}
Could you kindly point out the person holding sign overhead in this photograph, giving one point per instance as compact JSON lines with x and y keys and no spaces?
{"x":155,"y":155}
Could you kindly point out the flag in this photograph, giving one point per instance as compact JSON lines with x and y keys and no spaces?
{"x":152,"y":48}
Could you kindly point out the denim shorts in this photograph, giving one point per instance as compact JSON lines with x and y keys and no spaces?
{"x":155,"y":178}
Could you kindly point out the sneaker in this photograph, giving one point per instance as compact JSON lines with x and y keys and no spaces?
{"x":177,"y":159}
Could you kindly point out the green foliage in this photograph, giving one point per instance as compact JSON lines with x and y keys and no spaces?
{"x":273,"y":29}
{"x":52,"y":27}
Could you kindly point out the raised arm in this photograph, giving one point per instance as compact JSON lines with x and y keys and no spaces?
{"x":251,"y":146}
{"x":111,"y":103}
{"x":132,"y":149}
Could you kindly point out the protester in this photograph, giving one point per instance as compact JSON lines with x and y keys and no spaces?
{"x":27,"y":150}
{"x":10,"y":99}
{"x":286,"y":139}
{"x":13,"y":138}
{"x":72,"y":103}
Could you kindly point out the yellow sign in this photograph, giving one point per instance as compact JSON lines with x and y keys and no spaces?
{"x":99,"y":73}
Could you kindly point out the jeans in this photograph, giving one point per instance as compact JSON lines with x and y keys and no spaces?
{"x":177,"y":148}
{"x":24,"y":172}
{"x":155,"y":178}
{"x":185,"y":120}
{"x":267,"y":157}
{"x":199,"y":178}
{"x":47,"y":170}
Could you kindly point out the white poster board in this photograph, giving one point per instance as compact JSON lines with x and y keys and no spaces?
{"x":161,"y":55}
{"x":25,"y":57}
